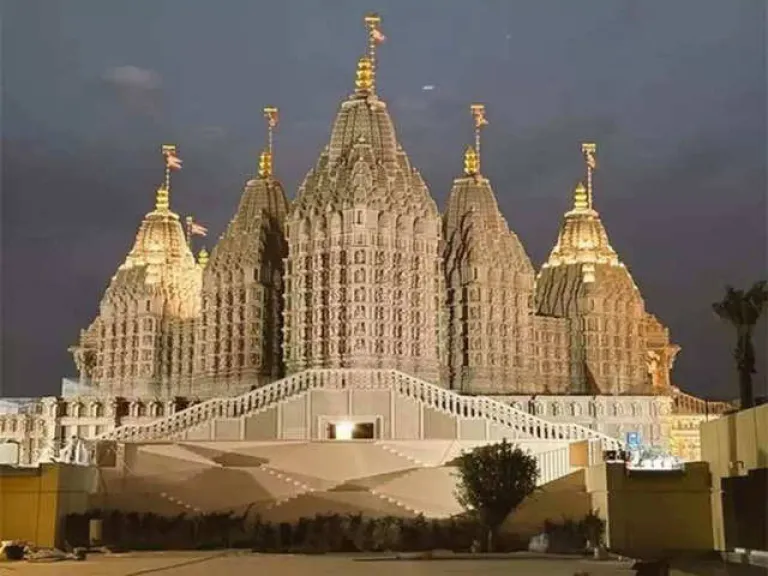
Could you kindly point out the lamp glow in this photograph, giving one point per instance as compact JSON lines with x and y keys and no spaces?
{"x":344,"y":430}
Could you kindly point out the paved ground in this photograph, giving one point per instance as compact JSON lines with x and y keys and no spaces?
{"x":236,"y":563}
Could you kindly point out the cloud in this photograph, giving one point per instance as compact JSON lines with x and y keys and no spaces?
{"x":133,"y":78}
{"x":137,"y":89}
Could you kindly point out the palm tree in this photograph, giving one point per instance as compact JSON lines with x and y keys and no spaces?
{"x":743,"y":309}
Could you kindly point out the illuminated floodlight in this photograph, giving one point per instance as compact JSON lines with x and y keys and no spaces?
{"x":344,"y":430}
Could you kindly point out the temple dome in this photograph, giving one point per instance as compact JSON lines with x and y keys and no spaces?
{"x":581,"y":259}
{"x":364,"y":165}
{"x":160,"y":263}
{"x":262,"y":209}
{"x":160,"y":240}
{"x":473,"y":221}
{"x":582,"y":238}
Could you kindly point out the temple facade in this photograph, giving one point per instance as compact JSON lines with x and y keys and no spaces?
{"x":362,"y":271}
{"x":361,"y":285}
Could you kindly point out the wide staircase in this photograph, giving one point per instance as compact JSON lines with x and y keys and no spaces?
{"x":517,"y":425}
{"x":520,"y":424}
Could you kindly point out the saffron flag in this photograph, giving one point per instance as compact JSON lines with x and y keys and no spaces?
{"x":172,"y":161}
{"x":197,"y":230}
{"x":378,"y":36}
{"x":591,"y":162}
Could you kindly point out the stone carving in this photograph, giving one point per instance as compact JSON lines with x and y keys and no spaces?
{"x":386,"y":243}
{"x":362,"y":271}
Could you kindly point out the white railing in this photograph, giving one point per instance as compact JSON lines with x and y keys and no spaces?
{"x":523,"y":424}
{"x":687,"y":404}
{"x":553,"y":464}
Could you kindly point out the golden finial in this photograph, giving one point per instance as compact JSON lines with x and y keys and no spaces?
{"x":364,"y":80}
{"x":265,"y":164}
{"x":202,"y":257}
{"x":580,"y":200}
{"x":375,"y":37}
{"x":478,"y":114}
{"x":589,"y":149}
{"x":162,"y":201}
{"x":470,"y":161}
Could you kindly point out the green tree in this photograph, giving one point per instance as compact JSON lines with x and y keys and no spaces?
{"x":493,"y":481}
{"x":743,"y":309}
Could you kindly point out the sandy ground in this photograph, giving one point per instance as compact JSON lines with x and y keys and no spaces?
{"x":236,"y":563}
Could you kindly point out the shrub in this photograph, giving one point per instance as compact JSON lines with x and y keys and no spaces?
{"x":322,"y":533}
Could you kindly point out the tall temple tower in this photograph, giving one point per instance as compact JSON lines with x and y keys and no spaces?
{"x":240,"y":328}
{"x":489,"y":280}
{"x":364,"y":282}
{"x":141,"y":343}
{"x":584,"y":281}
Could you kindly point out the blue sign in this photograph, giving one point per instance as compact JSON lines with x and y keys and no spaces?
{"x":633,"y":440}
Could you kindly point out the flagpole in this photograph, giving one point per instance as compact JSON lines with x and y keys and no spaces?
{"x":271,"y":114}
{"x":478,"y":113}
{"x":589,"y":149}
{"x":372,"y":22}
{"x":168,"y":150}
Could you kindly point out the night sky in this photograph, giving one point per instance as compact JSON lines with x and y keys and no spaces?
{"x":674,"y":94}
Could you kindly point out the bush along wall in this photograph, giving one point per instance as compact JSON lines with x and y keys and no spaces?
{"x":575,"y":536}
{"x":323,"y":533}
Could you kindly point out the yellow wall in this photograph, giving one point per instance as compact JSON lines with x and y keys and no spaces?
{"x":33,"y":501}
{"x":739,"y":437}
{"x":732,"y":446}
{"x":28,"y":502}
{"x":645,"y":512}
{"x":578,"y":454}
{"x":653,"y":511}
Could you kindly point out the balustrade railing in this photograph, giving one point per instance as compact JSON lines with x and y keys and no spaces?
{"x":553,"y":464}
{"x":523,"y":425}
{"x":686,"y":404}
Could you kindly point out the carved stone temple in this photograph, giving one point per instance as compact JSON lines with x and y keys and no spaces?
{"x":360,"y":283}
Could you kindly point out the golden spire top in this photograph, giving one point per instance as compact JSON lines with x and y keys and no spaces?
{"x":265,"y":164}
{"x":589,"y":149}
{"x":478,"y":114}
{"x":580,"y":200}
{"x":265,"y":159}
{"x":375,"y":37}
{"x":162,"y":202}
{"x":364,"y":80}
{"x":202,"y":257}
{"x":470,"y":162}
